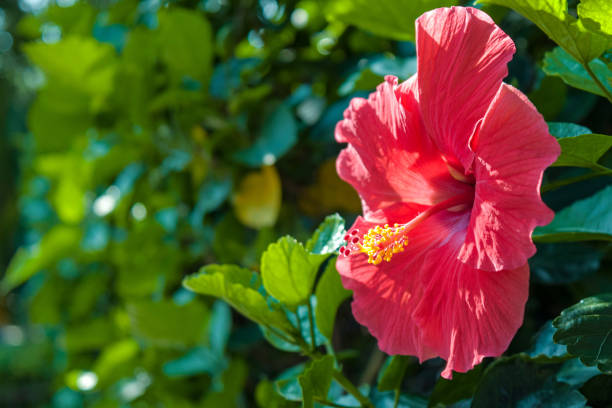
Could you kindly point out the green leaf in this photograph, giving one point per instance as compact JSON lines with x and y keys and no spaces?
{"x":583,"y":151}
{"x":586,"y":330}
{"x":220,"y":326}
{"x":575,"y":373}
{"x":233,"y":381}
{"x":167,"y":324}
{"x":596,"y":15}
{"x":316,"y":379}
{"x":462,"y":386}
{"x":198,"y":360}
{"x":515,"y":381}
{"x":588,"y":219}
{"x":240,"y":288}
{"x":544,"y":348}
{"x":90,"y":335}
{"x":186,"y":45}
{"x":59,"y":242}
{"x":287,"y":384}
{"x":392,"y":374}
{"x":78,"y":65}
{"x":563,"y":262}
{"x":114,"y":359}
{"x":552,"y":17}
{"x":390,"y":18}
{"x":328,"y":236}
{"x":289,"y":271}
{"x":278,"y":134}
{"x":330,"y":294}
{"x":564,"y":129}
{"x":559,"y":63}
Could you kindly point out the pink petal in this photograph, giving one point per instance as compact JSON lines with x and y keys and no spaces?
{"x":513,"y":147}
{"x":386,"y":295}
{"x":467,"y":314}
{"x":461,"y":61}
{"x":389,"y":159}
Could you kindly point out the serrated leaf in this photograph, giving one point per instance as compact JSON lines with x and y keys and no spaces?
{"x":588,"y":219}
{"x":552,"y":17}
{"x":583,"y":150}
{"x":55,"y":244}
{"x":288,"y":271}
{"x":559,"y":63}
{"x":596,"y":15}
{"x":515,"y":381}
{"x":390,"y":18}
{"x":258,"y":198}
{"x":330,"y":294}
{"x":328,"y":236}
{"x":315,"y":380}
{"x":240,"y":288}
{"x":278,"y":134}
{"x":392,"y":374}
{"x":586,"y":330}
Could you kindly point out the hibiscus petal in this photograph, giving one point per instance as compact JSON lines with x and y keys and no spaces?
{"x":468,"y":314}
{"x":389,"y":159}
{"x":461,"y":61}
{"x":386,"y":295}
{"x":513,"y":147}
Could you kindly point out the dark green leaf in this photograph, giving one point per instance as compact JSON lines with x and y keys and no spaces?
{"x":330,"y":294}
{"x":559,"y":63}
{"x":560,"y":263}
{"x":586,"y":330}
{"x":511,"y":382}
{"x":196,"y":361}
{"x":289,"y":271}
{"x":583,"y":150}
{"x":588,"y":219}
{"x":462,"y":386}
{"x":328,"y":236}
{"x":545,"y":348}
{"x":278,"y":134}
{"x":392,"y":374}
{"x":240,"y":288}
{"x":390,"y":18}
{"x":575,"y":373}
{"x":315,"y":380}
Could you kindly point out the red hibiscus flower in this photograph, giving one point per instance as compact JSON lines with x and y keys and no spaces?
{"x":448,"y":166}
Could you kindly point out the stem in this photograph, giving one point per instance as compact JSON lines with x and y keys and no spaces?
{"x":351,"y":389}
{"x":597,"y":81}
{"x":313,"y":342}
{"x":576,"y":179}
{"x":397,"y":397}
{"x":330,"y":404}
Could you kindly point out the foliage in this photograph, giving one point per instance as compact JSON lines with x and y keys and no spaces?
{"x":142,"y":141}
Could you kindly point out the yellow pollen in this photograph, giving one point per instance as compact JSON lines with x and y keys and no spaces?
{"x":381,"y":243}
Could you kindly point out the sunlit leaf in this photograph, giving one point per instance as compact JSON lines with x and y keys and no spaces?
{"x":552,"y":17}
{"x":328,"y":236}
{"x":586,"y":330}
{"x":583,"y":150}
{"x":288,"y":271}
{"x":596,"y":15}
{"x":315,"y":380}
{"x":559,"y":63}
{"x":258,"y":198}
{"x":240,"y":288}
{"x":390,"y":18}
{"x":588,"y":219}
{"x":56,"y":244}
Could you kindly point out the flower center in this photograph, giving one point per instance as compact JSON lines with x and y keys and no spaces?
{"x":381,"y":242}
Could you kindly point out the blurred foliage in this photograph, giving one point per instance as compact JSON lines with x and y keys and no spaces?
{"x":143,"y":139}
